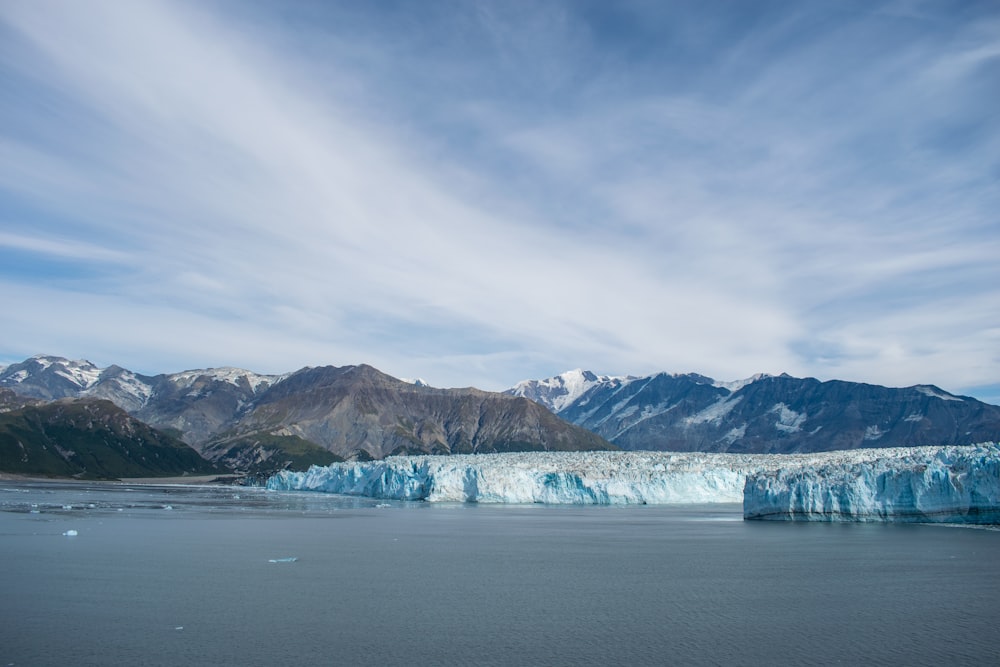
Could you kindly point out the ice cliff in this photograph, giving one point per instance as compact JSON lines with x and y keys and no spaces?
{"x":947,"y":484}
{"x":590,"y":478}
{"x":919,"y":484}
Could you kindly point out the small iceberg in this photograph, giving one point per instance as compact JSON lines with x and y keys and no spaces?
{"x":71,"y":533}
{"x":290,"y":559}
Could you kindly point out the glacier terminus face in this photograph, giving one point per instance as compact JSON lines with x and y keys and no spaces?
{"x":951,"y":484}
{"x":919,"y":484}
{"x":590,"y":478}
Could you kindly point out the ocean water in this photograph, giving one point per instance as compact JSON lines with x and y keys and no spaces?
{"x":183,"y":576}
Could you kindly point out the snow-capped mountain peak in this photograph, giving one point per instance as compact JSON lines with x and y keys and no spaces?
{"x":557,"y":392}
{"x":54,"y":377}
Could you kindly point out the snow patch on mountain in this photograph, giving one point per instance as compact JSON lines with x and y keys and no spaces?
{"x":44,"y":360}
{"x":933,"y":392}
{"x":122,"y":387}
{"x":873,"y":432}
{"x":735,"y":385}
{"x":715,"y":412}
{"x":735,"y":434}
{"x":17,"y":377}
{"x":81,"y":373}
{"x":789,"y":420}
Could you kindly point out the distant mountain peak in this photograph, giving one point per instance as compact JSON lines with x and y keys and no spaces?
{"x":53,"y":377}
{"x":559,"y":391}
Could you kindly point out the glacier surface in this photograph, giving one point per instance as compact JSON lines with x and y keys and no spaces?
{"x":918,"y":484}
{"x":947,"y":484}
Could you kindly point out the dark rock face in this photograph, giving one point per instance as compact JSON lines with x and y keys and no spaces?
{"x":776,"y":415}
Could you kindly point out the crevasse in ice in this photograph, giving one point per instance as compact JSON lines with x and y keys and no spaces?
{"x":913,"y":483}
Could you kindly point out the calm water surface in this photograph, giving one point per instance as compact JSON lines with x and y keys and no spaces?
{"x":181,"y":576}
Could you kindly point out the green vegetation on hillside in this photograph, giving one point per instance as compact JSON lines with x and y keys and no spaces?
{"x":91,"y":439}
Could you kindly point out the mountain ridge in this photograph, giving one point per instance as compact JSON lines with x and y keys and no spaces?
{"x":251,"y":421}
{"x":766,"y":413}
{"x":319,"y":414}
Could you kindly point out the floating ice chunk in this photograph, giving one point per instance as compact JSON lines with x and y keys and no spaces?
{"x":290,"y":559}
{"x":179,"y":627}
{"x":67,"y":507}
{"x":71,"y":533}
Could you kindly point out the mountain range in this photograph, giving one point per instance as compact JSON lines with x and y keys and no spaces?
{"x":762,"y":414}
{"x":256,"y":423}
{"x":259,"y":423}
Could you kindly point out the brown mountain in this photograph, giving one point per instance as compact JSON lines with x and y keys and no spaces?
{"x":359,"y":412}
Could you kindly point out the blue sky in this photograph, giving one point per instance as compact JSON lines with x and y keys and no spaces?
{"x":481,"y":192}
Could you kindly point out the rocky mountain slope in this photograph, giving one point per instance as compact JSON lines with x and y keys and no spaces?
{"x":92,"y":439}
{"x":316,"y":415}
{"x":357,"y":411}
{"x":764,"y":414}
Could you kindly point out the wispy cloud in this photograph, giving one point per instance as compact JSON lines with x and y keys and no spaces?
{"x":480,"y":193}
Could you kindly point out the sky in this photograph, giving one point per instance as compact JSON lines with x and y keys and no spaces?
{"x":476,"y":193}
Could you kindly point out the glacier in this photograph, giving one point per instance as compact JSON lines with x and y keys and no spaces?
{"x":577,"y":478}
{"x":956,"y":484}
{"x":911,"y":484}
